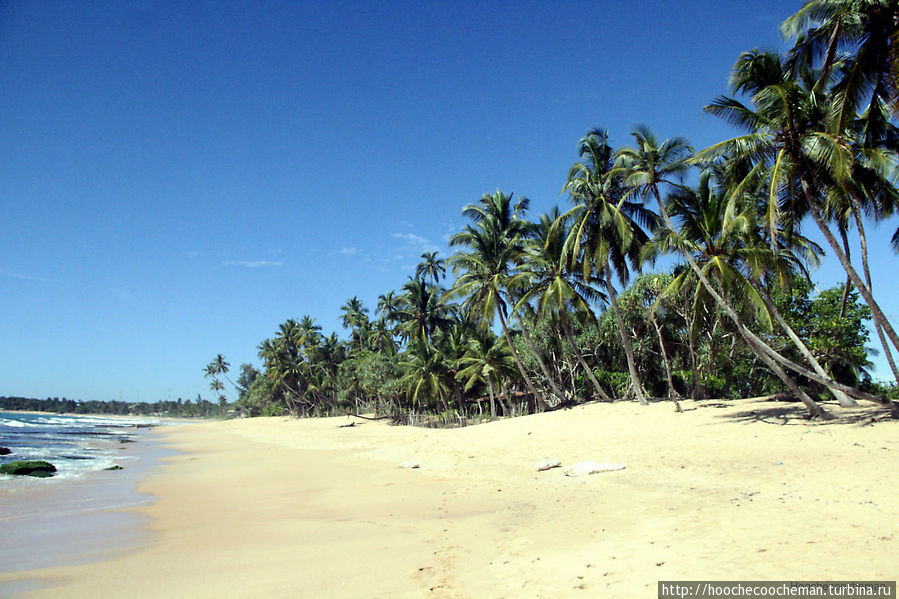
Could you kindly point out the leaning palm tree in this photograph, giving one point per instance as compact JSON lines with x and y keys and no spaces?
{"x":646,"y":167}
{"x":607,"y":232}
{"x":793,"y":150}
{"x":728,"y":243}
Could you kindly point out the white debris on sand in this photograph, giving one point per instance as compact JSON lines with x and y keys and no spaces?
{"x":410,"y":465}
{"x":588,"y":467}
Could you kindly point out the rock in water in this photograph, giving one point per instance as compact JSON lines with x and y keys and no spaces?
{"x":114,"y":467}
{"x":547,"y":464}
{"x":5,"y":451}
{"x":37,"y":468}
{"x":587,"y":468}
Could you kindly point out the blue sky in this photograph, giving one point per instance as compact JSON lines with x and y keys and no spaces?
{"x":179,"y":178}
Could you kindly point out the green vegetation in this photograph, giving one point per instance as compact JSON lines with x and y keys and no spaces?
{"x":179,"y":408}
{"x":563,"y":308}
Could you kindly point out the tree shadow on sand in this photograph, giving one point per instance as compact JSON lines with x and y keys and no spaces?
{"x":785,"y":413}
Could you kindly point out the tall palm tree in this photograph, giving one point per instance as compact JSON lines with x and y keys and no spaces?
{"x":555,"y":287}
{"x":355,"y":318}
{"x":218,"y":366}
{"x":430,"y":267}
{"x":791,"y":147}
{"x":607,"y":232}
{"x":485,"y":269}
{"x":651,"y":164}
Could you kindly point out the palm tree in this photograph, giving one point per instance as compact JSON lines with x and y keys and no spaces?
{"x":789,"y":145}
{"x":485,"y":270}
{"x":309,"y":329}
{"x":606,"y":233}
{"x":653,"y":288}
{"x":387,"y":303}
{"x":431,"y":267}
{"x":221,"y":366}
{"x":422,"y":310}
{"x":381,"y":337}
{"x":487,"y":360}
{"x":355,"y":318}
{"x":426,"y":373}
{"x":647,"y":166}
{"x":555,"y":287}
{"x":869,"y":30}
{"x":218,"y":366}
{"x":728,"y":243}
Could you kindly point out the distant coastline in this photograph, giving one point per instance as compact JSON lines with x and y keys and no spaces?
{"x":160,"y":409}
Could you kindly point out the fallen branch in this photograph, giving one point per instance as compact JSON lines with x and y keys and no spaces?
{"x":365,"y":417}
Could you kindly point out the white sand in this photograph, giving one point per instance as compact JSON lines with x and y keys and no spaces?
{"x":286,"y":508}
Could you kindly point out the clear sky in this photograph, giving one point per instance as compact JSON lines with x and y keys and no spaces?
{"x":178,"y":178}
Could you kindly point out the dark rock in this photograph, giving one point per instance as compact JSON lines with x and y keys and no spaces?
{"x":37,"y":468}
{"x":114,"y":467}
{"x":5,"y":451}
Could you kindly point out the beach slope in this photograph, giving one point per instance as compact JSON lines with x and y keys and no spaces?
{"x":277,"y":507}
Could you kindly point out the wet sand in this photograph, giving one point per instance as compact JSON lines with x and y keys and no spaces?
{"x":68,"y":521}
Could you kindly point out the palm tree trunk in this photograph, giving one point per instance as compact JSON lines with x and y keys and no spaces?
{"x":625,"y":341}
{"x":492,"y":400}
{"x":566,"y":329}
{"x":844,"y":400}
{"x":560,"y":395}
{"x":815,"y":410}
{"x":848,"y":286}
{"x":762,"y":349}
{"x":863,"y":241}
{"x":877,"y":314}
{"x":695,"y":385}
{"x":672,"y":392}
{"x":527,"y":380}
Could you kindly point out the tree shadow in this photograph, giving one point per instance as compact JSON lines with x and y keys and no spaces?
{"x":785,"y":413}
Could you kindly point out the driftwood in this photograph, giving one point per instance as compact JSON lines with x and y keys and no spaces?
{"x":365,"y":417}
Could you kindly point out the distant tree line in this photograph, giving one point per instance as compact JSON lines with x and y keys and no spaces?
{"x":178,"y":408}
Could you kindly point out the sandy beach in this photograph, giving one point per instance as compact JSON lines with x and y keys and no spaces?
{"x":276,"y":507}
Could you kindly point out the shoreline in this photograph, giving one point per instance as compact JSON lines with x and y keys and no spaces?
{"x":275,"y":507}
{"x":76,"y":520}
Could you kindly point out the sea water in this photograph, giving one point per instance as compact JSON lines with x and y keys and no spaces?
{"x":74,"y":444}
{"x":78,"y":514}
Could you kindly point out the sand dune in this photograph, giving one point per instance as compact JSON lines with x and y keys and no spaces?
{"x":286,"y":508}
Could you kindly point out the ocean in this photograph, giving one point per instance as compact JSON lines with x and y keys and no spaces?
{"x":76,"y":445}
{"x":78,"y":514}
